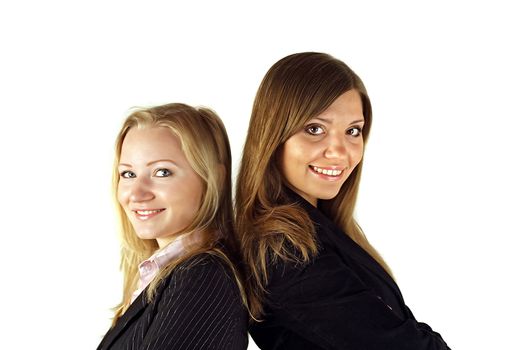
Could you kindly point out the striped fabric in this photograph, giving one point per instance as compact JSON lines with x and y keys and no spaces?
{"x":197,"y":307}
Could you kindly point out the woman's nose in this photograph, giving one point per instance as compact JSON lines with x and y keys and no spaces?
{"x":141,"y":190}
{"x":335,"y":147}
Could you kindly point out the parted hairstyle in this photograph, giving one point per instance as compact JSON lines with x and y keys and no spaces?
{"x":205,"y":144}
{"x":269,"y":225}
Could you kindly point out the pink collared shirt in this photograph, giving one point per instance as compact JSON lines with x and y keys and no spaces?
{"x":149,"y":268}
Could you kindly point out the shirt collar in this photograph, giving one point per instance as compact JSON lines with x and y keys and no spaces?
{"x":150,"y":267}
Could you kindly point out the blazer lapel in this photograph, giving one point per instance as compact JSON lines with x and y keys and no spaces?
{"x":133,"y":312}
{"x":341,"y":239}
{"x":359,"y":254}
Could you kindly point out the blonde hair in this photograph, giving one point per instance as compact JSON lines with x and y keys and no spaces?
{"x":270,"y":227}
{"x":205,"y":144}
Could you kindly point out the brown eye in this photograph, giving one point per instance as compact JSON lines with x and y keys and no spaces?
{"x":314,"y":129}
{"x":355,"y":132}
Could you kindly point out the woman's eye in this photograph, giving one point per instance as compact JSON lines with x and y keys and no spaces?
{"x":162,"y":173}
{"x":314,"y":129}
{"x":354,"y":132}
{"x":127,"y":174}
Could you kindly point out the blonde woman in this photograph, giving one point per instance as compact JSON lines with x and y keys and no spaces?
{"x":172,"y":184}
{"x":315,"y":281}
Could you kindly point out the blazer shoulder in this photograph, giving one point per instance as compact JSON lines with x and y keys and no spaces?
{"x":207,"y":275}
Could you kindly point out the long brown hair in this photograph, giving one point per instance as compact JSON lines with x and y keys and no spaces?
{"x":270,"y":227}
{"x":205,"y":144}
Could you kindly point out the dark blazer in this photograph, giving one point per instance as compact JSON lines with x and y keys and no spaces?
{"x":342,"y":299}
{"x":198,"y":306}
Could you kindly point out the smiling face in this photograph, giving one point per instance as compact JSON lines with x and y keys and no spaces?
{"x":158,"y":189}
{"x":318,"y":159}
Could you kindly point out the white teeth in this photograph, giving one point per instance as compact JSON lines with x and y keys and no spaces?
{"x":329,"y":172}
{"x":147,"y":212}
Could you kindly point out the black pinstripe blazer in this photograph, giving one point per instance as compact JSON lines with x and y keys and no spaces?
{"x":198,"y":306}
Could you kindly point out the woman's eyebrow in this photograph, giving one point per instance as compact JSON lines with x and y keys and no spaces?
{"x":329,"y":120}
{"x":161,"y":160}
{"x":150,"y":163}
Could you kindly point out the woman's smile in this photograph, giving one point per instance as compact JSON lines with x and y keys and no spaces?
{"x":328,"y":173}
{"x":145,"y":214}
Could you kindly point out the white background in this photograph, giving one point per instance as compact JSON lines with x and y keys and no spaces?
{"x":442,"y":195}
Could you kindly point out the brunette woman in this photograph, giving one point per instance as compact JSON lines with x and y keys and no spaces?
{"x":315,"y":281}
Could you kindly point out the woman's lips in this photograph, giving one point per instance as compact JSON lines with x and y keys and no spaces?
{"x":328,"y":173}
{"x":145,"y":214}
